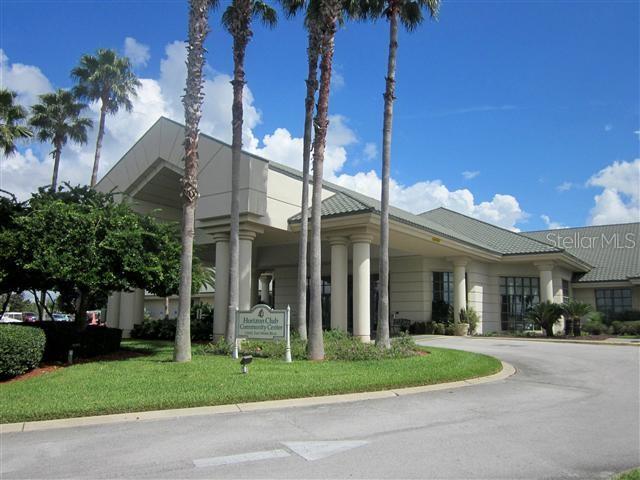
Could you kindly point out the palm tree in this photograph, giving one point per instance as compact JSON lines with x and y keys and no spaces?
{"x":409,"y":13}
{"x":574,"y":311}
{"x":237,"y":20}
{"x":313,"y":53}
{"x":192,"y":101}
{"x":545,"y":315}
{"x":56,"y":119}
{"x":107,"y":78}
{"x":12,"y":115}
{"x":327,"y":18}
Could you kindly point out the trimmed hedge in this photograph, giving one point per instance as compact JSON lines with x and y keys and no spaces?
{"x":64,"y":336}
{"x":165,"y":329}
{"x":21,"y":350}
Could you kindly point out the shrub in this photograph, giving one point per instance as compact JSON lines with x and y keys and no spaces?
{"x":595,"y":327}
{"x":418,"y":328}
{"x":338,"y":345}
{"x":64,"y":336}
{"x":626,"y":328}
{"x":438,"y":328}
{"x":470,"y":316}
{"x":449,"y":329}
{"x":628,"y":316}
{"x":21,"y":349}
{"x":165,"y":328}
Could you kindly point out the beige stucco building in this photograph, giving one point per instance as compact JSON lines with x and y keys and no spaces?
{"x":438,"y":256}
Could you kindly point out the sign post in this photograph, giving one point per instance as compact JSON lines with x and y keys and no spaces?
{"x":264,"y":323}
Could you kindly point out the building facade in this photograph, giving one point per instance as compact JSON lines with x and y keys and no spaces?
{"x":437,"y":257}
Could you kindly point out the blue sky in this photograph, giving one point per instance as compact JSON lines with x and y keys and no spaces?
{"x":531,"y":95}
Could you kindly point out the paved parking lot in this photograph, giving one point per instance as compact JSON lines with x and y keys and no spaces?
{"x":571,"y":411}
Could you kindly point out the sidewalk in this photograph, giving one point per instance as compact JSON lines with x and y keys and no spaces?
{"x":628,"y":342}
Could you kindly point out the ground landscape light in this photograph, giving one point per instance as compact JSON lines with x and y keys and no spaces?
{"x":244,"y":363}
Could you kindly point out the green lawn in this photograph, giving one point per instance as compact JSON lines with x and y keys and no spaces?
{"x":154,"y":382}
{"x":633,"y":474}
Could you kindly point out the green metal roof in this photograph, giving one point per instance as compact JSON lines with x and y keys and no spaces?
{"x":498,"y":239}
{"x":612,"y":250}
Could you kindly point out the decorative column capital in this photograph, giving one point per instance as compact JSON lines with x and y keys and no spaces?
{"x":247,"y":235}
{"x":361,"y":238}
{"x":544,"y":266}
{"x":460,"y":261}
{"x":338,"y":241}
{"x":220,"y":237}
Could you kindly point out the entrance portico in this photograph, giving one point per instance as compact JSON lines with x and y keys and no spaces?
{"x":437,"y":258}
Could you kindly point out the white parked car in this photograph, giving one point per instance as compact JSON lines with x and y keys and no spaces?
{"x":11,"y":317}
{"x":61,"y":317}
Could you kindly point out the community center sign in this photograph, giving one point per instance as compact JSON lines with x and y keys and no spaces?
{"x":264,"y":323}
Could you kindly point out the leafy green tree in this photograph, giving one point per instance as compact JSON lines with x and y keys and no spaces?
{"x":237,"y":20}
{"x":109,"y":79}
{"x":56,"y":119}
{"x":545,"y":315}
{"x":575,"y":311}
{"x":12,"y":117}
{"x":94,"y":246}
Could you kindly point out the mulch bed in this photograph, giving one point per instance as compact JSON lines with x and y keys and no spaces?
{"x":46,"y":368}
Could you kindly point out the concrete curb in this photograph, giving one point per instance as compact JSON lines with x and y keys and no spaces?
{"x":424,"y":338}
{"x":507,"y":371}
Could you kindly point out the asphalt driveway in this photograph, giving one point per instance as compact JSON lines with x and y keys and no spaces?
{"x":571,"y":411}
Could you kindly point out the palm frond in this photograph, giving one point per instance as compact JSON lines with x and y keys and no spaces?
{"x":265,"y":13}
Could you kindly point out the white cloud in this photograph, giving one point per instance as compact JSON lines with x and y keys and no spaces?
{"x":564,"y":186}
{"x":608,"y":127}
{"x":26,"y":80}
{"x":637,"y":132}
{"x":162,"y":96}
{"x":468,"y":175}
{"x":370,"y":151}
{"x":619,"y":202}
{"x":502,"y":210}
{"x":551,"y":224}
{"x":337,"y":81}
{"x":137,"y":52}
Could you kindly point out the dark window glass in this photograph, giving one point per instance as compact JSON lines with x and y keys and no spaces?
{"x":613,"y":300}
{"x":443,"y":287}
{"x":518,"y":295}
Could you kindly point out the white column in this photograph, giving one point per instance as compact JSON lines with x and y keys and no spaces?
{"x":245,"y":273}
{"x":131,"y":310}
{"x":113,"y":310}
{"x":138,"y":305}
{"x":265,"y":281}
{"x":361,"y":286}
{"x":546,"y":281}
{"x":339,"y":278}
{"x":546,"y":290}
{"x":221,"y":300}
{"x":459,"y":286}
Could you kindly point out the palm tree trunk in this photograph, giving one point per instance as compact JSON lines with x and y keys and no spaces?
{"x":96,"y":160}
{"x":329,"y":15}
{"x":312,"y":87}
{"x":166,"y":307}
{"x":192,"y":101}
{"x":56,"y":165}
{"x":5,"y":304}
{"x":241,"y":36}
{"x":382,"y":330}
